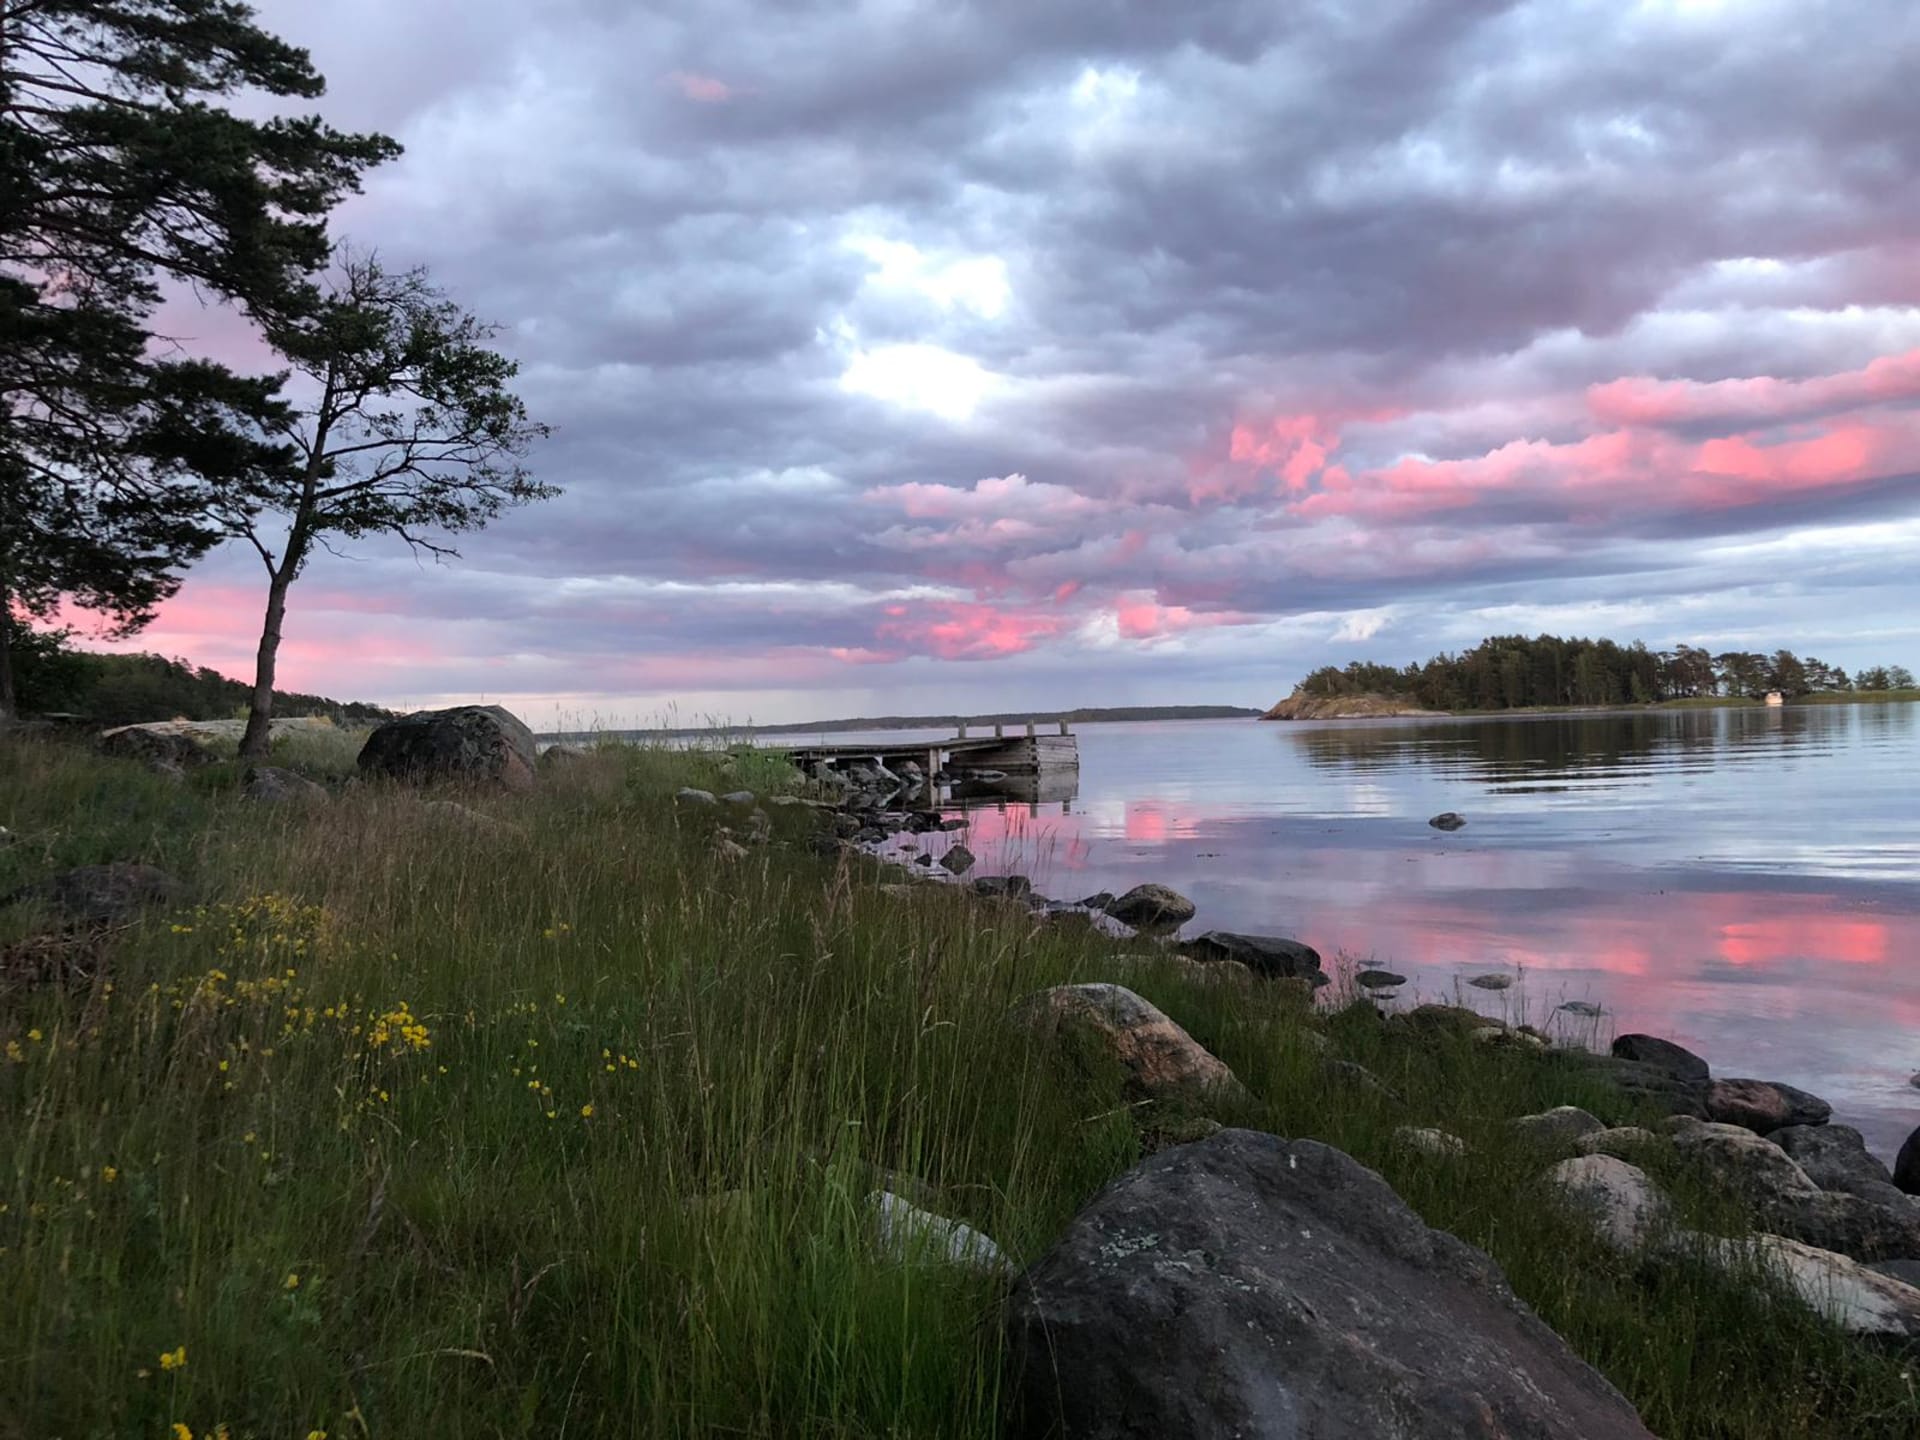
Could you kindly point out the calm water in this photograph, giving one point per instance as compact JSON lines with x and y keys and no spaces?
{"x":1744,"y":881}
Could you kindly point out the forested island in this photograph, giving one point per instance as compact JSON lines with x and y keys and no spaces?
{"x":1517,"y":672}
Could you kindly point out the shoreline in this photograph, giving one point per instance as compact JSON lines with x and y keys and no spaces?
{"x":1710,"y":702}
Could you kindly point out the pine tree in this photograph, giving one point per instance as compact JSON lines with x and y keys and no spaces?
{"x":119,"y":171}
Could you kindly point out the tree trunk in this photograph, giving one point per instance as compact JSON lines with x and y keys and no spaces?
{"x":256,"y":743}
{"x":9,"y":704}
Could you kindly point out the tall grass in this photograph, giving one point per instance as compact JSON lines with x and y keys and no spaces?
{"x":403,"y":1125}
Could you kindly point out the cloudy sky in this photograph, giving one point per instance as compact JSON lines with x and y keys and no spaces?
{"x":983,"y":354}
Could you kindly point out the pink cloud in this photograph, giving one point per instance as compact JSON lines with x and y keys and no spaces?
{"x":703,"y":89}
{"x":1760,"y":399}
{"x":1140,"y":616}
{"x":962,"y":630}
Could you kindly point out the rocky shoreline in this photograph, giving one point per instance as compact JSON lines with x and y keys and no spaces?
{"x":1235,"y":1280}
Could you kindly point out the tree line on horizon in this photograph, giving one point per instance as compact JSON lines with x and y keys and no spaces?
{"x":1510,"y":672}
{"x":107,"y":689}
{"x":126,"y":180}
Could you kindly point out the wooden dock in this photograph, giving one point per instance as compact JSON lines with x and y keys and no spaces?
{"x":1007,"y":749}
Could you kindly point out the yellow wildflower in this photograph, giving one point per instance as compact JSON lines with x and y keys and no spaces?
{"x":292,"y":1282}
{"x":316,"y":1435}
{"x":181,"y":1431}
{"x":175,"y":1359}
{"x":34,"y":1035}
{"x":109,"y":1174}
{"x":586,"y":1112}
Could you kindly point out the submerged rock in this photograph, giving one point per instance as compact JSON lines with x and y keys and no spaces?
{"x":1009,"y":887}
{"x":1162,"y":1061}
{"x":1251,"y":1286}
{"x":958,"y":860}
{"x":1448,"y":820}
{"x":1378,"y":979}
{"x":1491,"y":982}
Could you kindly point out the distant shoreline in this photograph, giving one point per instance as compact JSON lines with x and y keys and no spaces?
{"x":1379,"y":707}
{"x":1086,"y":715}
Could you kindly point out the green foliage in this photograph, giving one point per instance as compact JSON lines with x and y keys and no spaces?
{"x":1510,"y":672}
{"x":129,"y":689}
{"x":118,"y":168}
{"x":407,"y":1125}
{"x":414,"y":433}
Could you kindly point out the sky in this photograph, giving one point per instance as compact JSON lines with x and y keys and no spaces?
{"x":917,"y":355}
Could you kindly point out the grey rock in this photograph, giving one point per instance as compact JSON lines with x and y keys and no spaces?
{"x":1148,"y":906}
{"x":1161,"y":1060}
{"x":908,"y":1235}
{"x":1907,"y":1272}
{"x":1378,"y":979}
{"x":1099,"y":900}
{"x":1353,"y":1073}
{"x":740,"y":799}
{"x":1585,"y":1009}
{"x":1848,"y":1225}
{"x":699,"y":799}
{"x":1906,"y":1165}
{"x":1664,"y":1054}
{"x":481,"y":744}
{"x":1620,"y":1199}
{"x":1246,"y":1285}
{"x":1859,"y":1300}
{"x":1836,"y":1157}
{"x":270,"y":785}
{"x":562,"y":756}
{"x":1622,"y":1141}
{"x":1742,"y":1160}
{"x":1763,"y":1105}
{"x":1560,"y":1125}
{"x":1273,"y":956}
{"x":151,"y":744}
{"x":1648,"y":1084}
{"x":1491,"y":982}
{"x":1448,"y":820}
{"x":1426,"y":1140}
{"x":103,"y":894}
{"x":958,"y":860}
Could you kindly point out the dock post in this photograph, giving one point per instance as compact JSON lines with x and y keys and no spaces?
{"x":1030,"y":730}
{"x":933,"y":769}
{"x":1063,"y":728}
{"x":999,"y":732}
{"x":963,"y":729}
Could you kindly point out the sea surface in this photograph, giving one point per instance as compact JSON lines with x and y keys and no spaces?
{"x":1744,"y":881}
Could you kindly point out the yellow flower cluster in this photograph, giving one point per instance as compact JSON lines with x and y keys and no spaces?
{"x":175,"y":1359}
{"x":398,"y":1027}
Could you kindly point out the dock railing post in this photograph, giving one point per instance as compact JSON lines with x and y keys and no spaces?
{"x":999,"y":732}
{"x":1063,"y":728}
{"x":1030,"y":730}
{"x":963,"y":729}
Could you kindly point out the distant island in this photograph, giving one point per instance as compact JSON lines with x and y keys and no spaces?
{"x":1545,"y":672}
{"x":1086,"y":715}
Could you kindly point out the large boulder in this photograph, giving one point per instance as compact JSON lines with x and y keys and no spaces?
{"x":1662,"y":1054}
{"x":1161,"y":1060}
{"x":1906,"y":1165}
{"x":1562,"y":1125}
{"x":1858,"y":1300}
{"x":153,"y":745}
{"x":1251,"y":1286}
{"x":1764,"y":1105}
{"x":1646,"y":1083}
{"x":1273,"y":956}
{"x":1151,"y":907}
{"x":475,"y":743}
{"x":1741,"y":1161}
{"x":1836,"y":1157}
